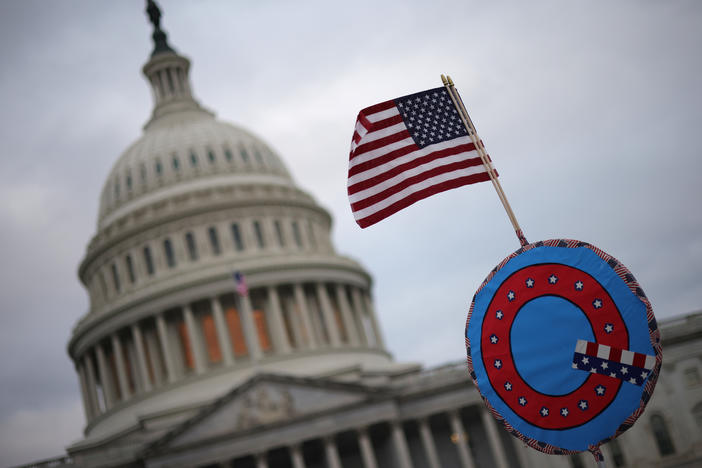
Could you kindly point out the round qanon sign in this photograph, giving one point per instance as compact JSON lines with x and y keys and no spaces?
{"x":563,"y":346}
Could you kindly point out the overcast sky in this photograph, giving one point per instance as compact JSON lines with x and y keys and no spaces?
{"x":591,"y":111}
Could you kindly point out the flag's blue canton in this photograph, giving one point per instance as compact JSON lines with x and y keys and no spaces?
{"x":632,"y":374}
{"x":430,"y":117}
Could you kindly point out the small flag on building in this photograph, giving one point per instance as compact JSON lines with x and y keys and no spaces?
{"x":241,"y":286}
{"x":407,"y":149}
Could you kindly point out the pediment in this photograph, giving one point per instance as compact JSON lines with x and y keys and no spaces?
{"x":265,"y":400}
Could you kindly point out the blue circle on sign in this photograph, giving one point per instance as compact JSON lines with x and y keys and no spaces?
{"x":557,"y":324}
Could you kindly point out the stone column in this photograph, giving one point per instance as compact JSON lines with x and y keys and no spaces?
{"x":194,"y":337}
{"x":400,"y":443}
{"x":105,"y":377}
{"x":494,"y":439}
{"x":92,"y":385}
{"x":359,"y":312}
{"x":280,"y":337}
{"x":165,"y":347}
{"x":295,"y":323}
{"x":325,"y":304}
{"x":141,"y":357}
{"x":261,"y":460}
{"x":225,"y":344}
{"x":152,"y":348}
{"x":367,"y":453}
{"x":250,"y":331}
{"x":121,"y":370}
{"x":298,"y":460}
{"x":380,"y":343}
{"x":87,"y":403}
{"x":347,"y":315}
{"x":332,"y":454}
{"x":428,"y":443}
{"x":461,"y":442}
{"x":305,"y":315}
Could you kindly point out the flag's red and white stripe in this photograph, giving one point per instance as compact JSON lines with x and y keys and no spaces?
{"x":622,"y":356}
{"x":389,"y":172}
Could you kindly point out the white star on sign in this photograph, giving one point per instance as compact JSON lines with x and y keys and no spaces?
{"x":508,"y":386}
{"x":564,"y":411}
{"x":583,"y":404}
{"x":553,"y":279}
{"x":609,"y":327}
{"x":530,"y":283}
{"x":498,"y":314}
{"x":597,"y":303}
{"x":585,"y":360}
{"x":497,"y":363}
{"x":522,"y":401}
{"x":579,"y":285}
{"x":510,"y":295}
{"x":600,"y":390}
{"x":544,"y":411}
{"x":493,"y":339}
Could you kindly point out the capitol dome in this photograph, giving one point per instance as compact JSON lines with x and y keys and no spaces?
{"x":192,"y":201}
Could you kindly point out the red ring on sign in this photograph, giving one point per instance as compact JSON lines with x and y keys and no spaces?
{"x":584,"y":291}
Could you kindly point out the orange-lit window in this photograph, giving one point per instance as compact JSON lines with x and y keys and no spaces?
{"x":112,"y":364}
{"x":262,"y":330}
{"x":187,"y":349}
{"x":208,"y":329}
{"x":236,"y":333}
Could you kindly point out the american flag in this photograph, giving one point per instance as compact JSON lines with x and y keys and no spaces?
{"x":241,"y":286}
{"x":617,"y":363}
{"x":407,"y":149}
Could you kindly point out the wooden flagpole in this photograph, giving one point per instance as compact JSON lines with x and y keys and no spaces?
{"x":468,"y":123}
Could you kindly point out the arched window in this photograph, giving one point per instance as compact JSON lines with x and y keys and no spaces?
{"x":662,"y":436}
{"x":279,"y":233}
{"x":130,"y":269}
{"x":296,"y":234}
{"x":617,"y":452}
{"x":115,"y":277}
{"x":214,"y":241}
{"x":170,"y":254}
{"x":148,"y":261}
{"x":236,"y":235}
{"x":697,"y":414}
{"x":192,"y":247}
{"x":258,"y":231}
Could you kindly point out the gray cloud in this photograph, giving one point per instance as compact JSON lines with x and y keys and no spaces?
{"x":590,"y":111}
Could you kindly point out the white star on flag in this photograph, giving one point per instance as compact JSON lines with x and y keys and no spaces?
{"x":624,"y":370}
{"x":585,"y":360}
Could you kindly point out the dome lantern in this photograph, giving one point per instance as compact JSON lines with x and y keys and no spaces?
{"x":167,"y":72}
